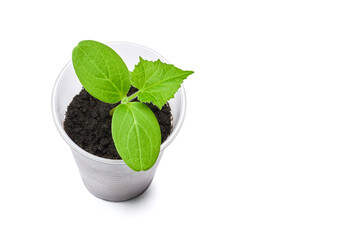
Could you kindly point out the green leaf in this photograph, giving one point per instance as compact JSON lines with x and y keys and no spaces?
{"x":136,"y":134}
{"x":101,"y":71}
{"x":157,"y":81}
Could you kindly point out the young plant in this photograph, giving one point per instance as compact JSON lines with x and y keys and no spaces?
{"x":135,"y":129}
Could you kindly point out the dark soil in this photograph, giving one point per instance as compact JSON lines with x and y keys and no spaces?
{"x":88,"y":124}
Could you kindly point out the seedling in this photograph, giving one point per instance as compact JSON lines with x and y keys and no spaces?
{"x":135,"y":129}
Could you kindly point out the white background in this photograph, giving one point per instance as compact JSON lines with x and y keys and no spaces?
{"x":270,"y":144}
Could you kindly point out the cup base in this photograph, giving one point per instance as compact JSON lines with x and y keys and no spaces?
{"x":111,"y":199}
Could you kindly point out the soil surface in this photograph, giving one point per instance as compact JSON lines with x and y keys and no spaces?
{"x":88,"y":124}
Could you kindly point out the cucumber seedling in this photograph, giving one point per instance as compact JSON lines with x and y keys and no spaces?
{"x":135,"y":129}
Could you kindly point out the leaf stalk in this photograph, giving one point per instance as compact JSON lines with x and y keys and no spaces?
{"x":131,"y":97}
{"x":125,"y":100}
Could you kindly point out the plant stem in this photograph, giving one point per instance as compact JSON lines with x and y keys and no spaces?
{"x":125,"y":100}
{"x":134,"y":95}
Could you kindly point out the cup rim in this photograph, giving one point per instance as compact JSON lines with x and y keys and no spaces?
{"x":93,"y":157}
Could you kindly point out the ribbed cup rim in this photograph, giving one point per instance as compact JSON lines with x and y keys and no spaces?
{"x":81,"y":151}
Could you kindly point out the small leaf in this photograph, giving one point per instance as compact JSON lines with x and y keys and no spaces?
{"x":101,"y":71}
{"x":157,"y":81}
{"x":136,"y":134}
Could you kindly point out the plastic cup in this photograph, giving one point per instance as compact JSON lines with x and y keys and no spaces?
{"x":109,"y":179}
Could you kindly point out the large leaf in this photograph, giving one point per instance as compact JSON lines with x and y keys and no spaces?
{"x":136,"y":134}
{"x":101,"y":71}
{"x":157,"y":81}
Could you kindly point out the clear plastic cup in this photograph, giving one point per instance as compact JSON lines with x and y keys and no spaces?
{"x":108,"y":179}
